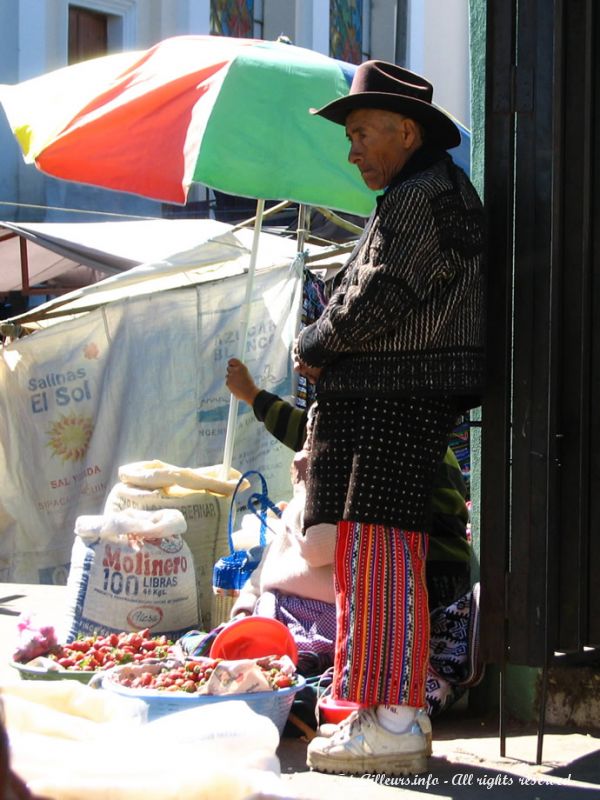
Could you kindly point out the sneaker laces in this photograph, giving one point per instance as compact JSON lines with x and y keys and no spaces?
{"x":351,"y":722}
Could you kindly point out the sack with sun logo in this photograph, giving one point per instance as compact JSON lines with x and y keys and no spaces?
{"x":131,"y":570}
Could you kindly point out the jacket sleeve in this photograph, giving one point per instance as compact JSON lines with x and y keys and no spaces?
{"x":283,"y":420}
{"x":397,"y":273}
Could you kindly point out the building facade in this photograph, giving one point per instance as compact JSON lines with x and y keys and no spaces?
{"x":37,"y":36}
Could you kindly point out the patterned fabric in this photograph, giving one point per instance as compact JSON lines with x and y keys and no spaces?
{"x":454,"y":663}
{"x":454,"y":652}
{"x":382,"y":605}
{"x":382,"y":644}
{"x":406,"y":317}
{"x":313,"y":303}
{"x":285,"y":422}
{"x":311,"y":623}
{"x":195,"y":643}
{"x":460,"y":442}
{"x":354,"y":473}
{"x":453,"y":667}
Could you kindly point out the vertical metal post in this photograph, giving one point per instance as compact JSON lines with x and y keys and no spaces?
{"x":24,"y":265}
{"x":502,"y":710}
{"x":542,"y":715}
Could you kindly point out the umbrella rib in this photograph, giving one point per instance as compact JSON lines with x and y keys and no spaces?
{"x":268,"y":213}
{"x":340,"y":221}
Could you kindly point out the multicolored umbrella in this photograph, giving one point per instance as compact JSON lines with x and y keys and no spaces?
{"x":231,"y":114}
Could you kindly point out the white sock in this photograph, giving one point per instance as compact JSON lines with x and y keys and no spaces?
{"x":396,"y":719}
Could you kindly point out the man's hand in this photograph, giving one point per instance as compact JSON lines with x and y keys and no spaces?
{"x":239,"y":381}
{"x":310,"y":373}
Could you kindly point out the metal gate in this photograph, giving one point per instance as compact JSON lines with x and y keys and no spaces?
{"x":540,"y":492}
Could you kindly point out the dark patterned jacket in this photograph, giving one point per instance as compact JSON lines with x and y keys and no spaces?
{"x":406,"y":317}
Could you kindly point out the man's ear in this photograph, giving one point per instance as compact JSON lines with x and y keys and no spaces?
{"x":411,"y":133}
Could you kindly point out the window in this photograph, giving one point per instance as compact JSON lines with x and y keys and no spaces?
{"x":346,"y":30}
{"x":232,"y":18}
{"x":88,"y":34}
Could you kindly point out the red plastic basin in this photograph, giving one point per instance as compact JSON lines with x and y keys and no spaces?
{"x":335,"y":711}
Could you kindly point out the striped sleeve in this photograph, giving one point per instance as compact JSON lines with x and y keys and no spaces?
{"x":283,"y":420}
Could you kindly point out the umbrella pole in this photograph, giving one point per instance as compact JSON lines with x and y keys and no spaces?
{"x":233,"y":404}
{"x":302,"y":229}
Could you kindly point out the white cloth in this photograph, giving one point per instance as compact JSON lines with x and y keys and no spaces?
{"x":293,"y":563}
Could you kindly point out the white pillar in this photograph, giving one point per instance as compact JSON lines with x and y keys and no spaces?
{"x":312,"y":25}
{"x":193,"y":17}
{"x":37,"y":26}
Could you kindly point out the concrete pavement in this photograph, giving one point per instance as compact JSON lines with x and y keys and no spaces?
{"x":466,"y":762}
{"x":466,"y":765}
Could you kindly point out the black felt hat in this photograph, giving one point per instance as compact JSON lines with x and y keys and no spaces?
{"x":378,"y":84}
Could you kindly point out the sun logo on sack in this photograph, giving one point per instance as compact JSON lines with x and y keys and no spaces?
{"x":70,"y":436}
{"x":91,"y":350}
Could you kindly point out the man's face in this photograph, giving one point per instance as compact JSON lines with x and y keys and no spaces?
{"x":381,"y":143}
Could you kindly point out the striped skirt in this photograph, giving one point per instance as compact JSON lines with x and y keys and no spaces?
{"x":382,"y":642}
{"x":371,"y":468}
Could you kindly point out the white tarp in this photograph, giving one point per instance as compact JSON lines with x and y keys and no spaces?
{"x":88,"y":251}
{"x":41,"y":266}
{"x":221,"y":252}
{"x":139,"y":378}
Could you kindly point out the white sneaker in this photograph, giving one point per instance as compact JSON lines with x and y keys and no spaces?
{"x":329,"y":728}
{"x":423,"y":721}
{"x":361,"y":745}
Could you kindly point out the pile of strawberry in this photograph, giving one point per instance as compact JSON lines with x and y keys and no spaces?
{"x":92,"y":653}
{"x":191,"y":677}
{"x":187,"y":677}
{"x":278,"y":679}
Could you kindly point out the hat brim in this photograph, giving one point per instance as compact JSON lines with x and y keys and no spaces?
{"x":439,"y":126}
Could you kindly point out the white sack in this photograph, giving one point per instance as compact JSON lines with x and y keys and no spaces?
{"x":226,"y":750}
{"x":131,"y":570}
{"x":137,"y":379}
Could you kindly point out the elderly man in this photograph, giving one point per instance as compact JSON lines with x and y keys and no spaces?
{"x":397,"y":357}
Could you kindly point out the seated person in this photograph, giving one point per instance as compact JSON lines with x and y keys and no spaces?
{"x":294,"y":581}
